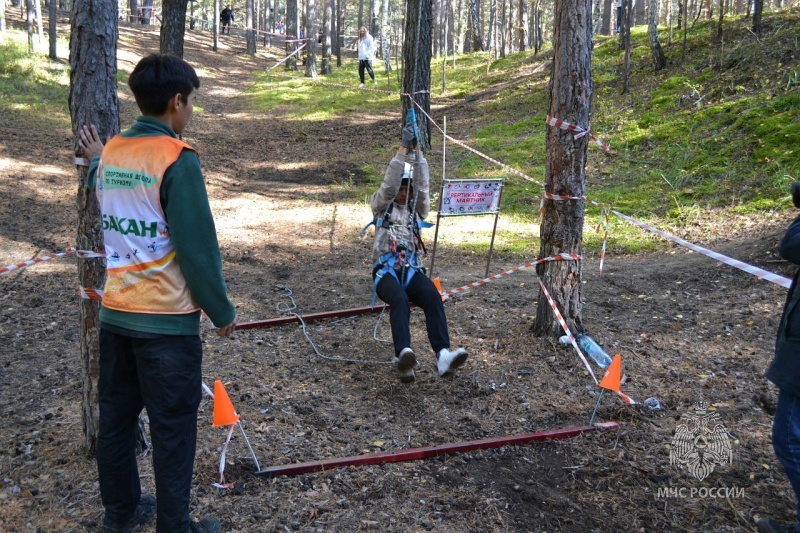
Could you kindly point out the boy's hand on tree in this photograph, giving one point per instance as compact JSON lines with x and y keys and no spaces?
{"x":89,"y":141}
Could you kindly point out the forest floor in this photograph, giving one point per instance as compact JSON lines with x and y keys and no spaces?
{"x":689,"y":330}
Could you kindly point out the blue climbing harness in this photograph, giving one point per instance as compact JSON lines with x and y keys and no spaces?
{"x":402,"y":253}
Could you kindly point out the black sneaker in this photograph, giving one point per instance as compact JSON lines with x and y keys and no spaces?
{"x":206,"y":525}
{"x":145,"y":511}
{"x":768,"y":525}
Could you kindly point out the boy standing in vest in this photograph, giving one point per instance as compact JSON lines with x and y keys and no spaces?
{"x":163,"y":266}
{"x":398,"y":207}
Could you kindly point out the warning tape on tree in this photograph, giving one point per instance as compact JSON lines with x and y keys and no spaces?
{"x":11,"y":268}
{"x":564,"y":326}
{"x":561,"y":124}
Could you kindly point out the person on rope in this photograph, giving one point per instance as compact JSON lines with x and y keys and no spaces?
{"x":784,"y":372}
{"x":366,"y":51}
{"x":225,"y":18}
{"x":163,"y":266}
{"x":399,"y":207}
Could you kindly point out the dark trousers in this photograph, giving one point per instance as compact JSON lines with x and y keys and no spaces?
{"x":786,"y":441}
{"x":422,"y":293}
{"x":365,"y":64}
{"x":162,"y":374}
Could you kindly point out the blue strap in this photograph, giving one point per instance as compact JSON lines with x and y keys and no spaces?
{"x":387,"y":262}
{"x":378,"y":223}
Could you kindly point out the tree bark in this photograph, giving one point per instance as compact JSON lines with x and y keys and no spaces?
{"x":250,"y":32}
{"x":30,"y":15}
{"x":327,"y":25}
{"x":292,"y":27}
{"x":147,"y":12}
{"x":565,"y":174}
{"x":758,"y":10}
{"x":311,"y":36}
{"x":476,"y":40}
{"x":37,"y":6}
{"x":638,"y":12}
{"x":92,"y":100}
{"x":626,"y":39}
{"x":417,"y":66}
{"x":53,"y":17}
{"x":173,"y":27}
{"x":605,"y":24}
{"x":2,"y":15}
{"x":215,"y":25}
{"x":385,"y":33}
{"x":659,"y":59}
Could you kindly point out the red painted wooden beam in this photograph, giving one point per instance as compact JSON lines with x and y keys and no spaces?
{"x":280,"y":321}
{"x":412,"y":454}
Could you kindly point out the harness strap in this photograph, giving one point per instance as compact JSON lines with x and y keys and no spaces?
{"x":385,"y":265}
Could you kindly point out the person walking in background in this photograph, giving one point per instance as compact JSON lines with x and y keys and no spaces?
{"x":784,"y":371}
{"x":366,"y":51}
{"x":163,"y":267}
{"x":399,"y":207}
{"x":225,"y":18}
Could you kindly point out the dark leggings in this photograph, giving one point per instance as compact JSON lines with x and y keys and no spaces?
{"x":365,"y":64}
{"x":421,"y":292}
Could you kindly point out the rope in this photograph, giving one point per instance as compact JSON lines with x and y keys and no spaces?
{"x":289,"y":310}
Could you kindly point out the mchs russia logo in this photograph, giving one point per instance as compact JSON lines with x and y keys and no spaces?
{"x":701,"y":442}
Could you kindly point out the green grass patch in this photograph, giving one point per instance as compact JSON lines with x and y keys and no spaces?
{"x":31,"y":85}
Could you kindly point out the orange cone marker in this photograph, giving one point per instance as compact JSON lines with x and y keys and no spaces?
{"x":224,"y":413}
{"x":612,"y":378}
{"x":438,"y":285}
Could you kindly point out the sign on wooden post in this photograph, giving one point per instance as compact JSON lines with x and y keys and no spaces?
{"x":469,"y":197}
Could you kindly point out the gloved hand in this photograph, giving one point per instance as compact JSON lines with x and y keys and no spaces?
{"x":408,"y":139}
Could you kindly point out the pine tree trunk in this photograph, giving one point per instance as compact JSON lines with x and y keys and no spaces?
{"x":327,"y":19}
{"x":385,"y":33}
{"x":565,"y":174}
{"x":311,"y":36}
{"x":173,"y":27}
{"x":250,"y":32}
{"x":659,"y":59}
{"x":292,"y":30}
{"x":53,"y":17}
{"x":92,"y":100}
{"x":416,"y":65}
{"x":476,"y":41}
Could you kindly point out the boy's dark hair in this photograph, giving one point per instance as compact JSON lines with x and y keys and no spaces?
{"x":157,"y":78}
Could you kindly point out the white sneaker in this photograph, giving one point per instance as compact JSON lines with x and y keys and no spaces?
{"x":375,"y":82}
{"x":406,"y":362}
{"x":361,"y":86}
{"x":448,"y":361}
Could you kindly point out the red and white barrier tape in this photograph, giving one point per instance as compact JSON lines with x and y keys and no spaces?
{"x":564,"y":326}
{"x":625,"y":398}
{"x":10,"y":268}
{"x":81,"y":161}
{"x":88,"y":254}
{"x":603,"y":215}
{"x":287,"y":57}
{"x":759,"y":272}
{"x":558,"y":123}
{"x":91,"y":294}
{"x":559,"y":257}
